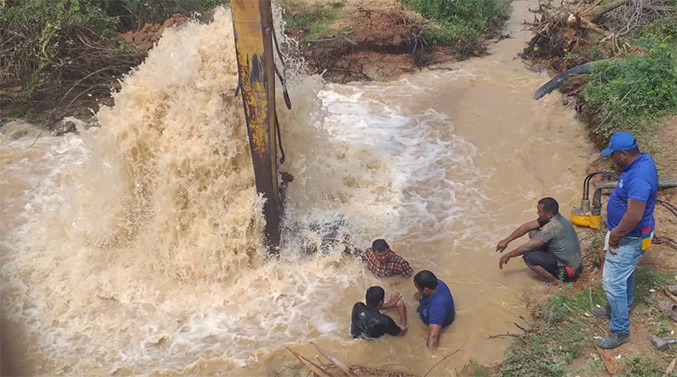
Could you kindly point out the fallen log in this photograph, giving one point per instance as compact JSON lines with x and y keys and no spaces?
{"x":600,"y":10}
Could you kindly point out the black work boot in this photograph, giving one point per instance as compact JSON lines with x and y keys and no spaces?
{"x":602,"y":312}
{"x":613,"y":340}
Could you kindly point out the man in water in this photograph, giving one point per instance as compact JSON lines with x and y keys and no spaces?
{"x":383,"y":262}
{"x":367,"y":320}
{"x":436,"y":305}
{"x":553,"y":250}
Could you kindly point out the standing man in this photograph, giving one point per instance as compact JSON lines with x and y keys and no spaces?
{"x":367,"y":320}
{"x":436,"y":305}
{"x":553,"y":250}
{"x":383,"y":262}
{"x":631,"y":225}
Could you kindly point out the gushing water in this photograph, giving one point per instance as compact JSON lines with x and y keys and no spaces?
{"x":134,"y":248}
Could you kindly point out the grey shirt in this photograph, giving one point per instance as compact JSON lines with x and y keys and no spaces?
{"x":561,"y":239}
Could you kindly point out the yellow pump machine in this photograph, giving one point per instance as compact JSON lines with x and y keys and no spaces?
{"x":590,"y":215}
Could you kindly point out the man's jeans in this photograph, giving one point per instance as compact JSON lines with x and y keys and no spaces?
{"x":618,"y":279}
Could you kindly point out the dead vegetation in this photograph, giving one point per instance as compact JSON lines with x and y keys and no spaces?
{"x":336,"y":368}
{"x":565,"y":32}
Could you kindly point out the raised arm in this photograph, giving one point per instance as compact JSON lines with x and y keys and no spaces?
{"x":519,"y":232}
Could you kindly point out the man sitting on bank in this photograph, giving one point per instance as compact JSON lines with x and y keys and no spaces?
{"x":383,"y":262}
{"x":553,"y":250}
{"x":436,"y":305}
{"x":367,"y":320}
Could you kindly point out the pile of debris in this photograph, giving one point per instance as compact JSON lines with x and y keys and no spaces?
{"x":336,"y":368}
{"x":563,"y":33}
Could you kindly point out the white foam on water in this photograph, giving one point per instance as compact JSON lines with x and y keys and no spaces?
{"x":429,"y":167}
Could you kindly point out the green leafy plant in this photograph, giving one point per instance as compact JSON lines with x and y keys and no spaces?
{"x":638,"y":367}
{"x":133,"y":14}
{"x":460,"y":23}
{"x":45,"y":40}
{"x":316,"y":17}
{"x":629,"y":93}
{"x":563,"y":327}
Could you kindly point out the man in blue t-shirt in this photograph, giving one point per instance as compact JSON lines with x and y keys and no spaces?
{"x":436,"y":306}
{"x":631,"y":225}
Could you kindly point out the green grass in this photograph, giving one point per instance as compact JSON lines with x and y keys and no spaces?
{"x":317,"y":18}
{"x":480,"y":373}
{"x":630,"y":93}
{"x":209,"y":4}
{"x":639,"y":367}
{"x":563,"y":327}
{"x":647,"y":280}
{"x":559,"y":331}
{"x":460,"y":23}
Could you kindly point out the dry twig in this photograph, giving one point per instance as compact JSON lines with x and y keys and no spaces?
{"x":438,"y":363}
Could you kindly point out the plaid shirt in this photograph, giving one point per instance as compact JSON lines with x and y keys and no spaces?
{"x":394,"y":265}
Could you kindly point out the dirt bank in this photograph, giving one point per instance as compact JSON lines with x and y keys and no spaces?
{"x":366,"y":40}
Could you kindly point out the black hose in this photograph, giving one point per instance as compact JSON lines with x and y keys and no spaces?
{"x":279,"y":140}
{"x":557,"y":81}
{"x":285,"y":93}
{"x":586,"y":181}
{"x":662,"y":185}
{"x":669,"y":206}
{"x":287,"y":100}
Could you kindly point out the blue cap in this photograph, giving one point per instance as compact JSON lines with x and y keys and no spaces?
{"x":620,"y":141}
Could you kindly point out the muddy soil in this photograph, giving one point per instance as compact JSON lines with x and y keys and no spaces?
{"x":377,"y":40}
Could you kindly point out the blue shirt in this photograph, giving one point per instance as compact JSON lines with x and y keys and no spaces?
{"x":438,"y":309}
{"x":638,"y":181}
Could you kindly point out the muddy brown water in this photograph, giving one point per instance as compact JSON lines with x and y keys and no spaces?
{"x":134,"y":248}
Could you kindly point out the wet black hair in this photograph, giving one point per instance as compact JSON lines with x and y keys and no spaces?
{"x":550,"y":205}
{"x":426,"y":279}
{"x":374,"y":296}
{"x":380,"y":245}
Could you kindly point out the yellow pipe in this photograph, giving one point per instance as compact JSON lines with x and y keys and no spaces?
{"x":253,"y":26}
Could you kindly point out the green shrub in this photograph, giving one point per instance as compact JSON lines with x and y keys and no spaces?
{"x":44,"y":38}
{"x":316,"y":17}
{"x":133,"y":14}
{"x":629,"y":93}
{"x":662,"y":31}
{"x":460,"y":22}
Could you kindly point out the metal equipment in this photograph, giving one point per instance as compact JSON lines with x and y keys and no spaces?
{"x":253,"y":27}
{"x":585,"y":215}
{"x":662,"y":344}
